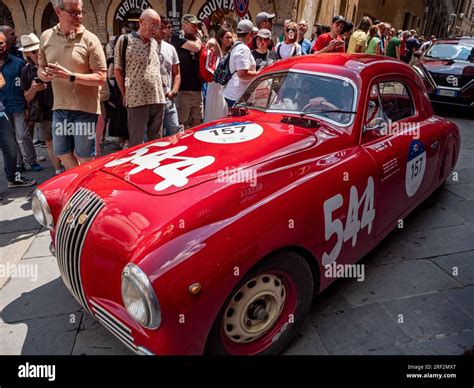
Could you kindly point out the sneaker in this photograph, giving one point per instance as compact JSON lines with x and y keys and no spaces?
{"x":20,"y":169}
{"x":36,"y":167}
{"x":21,"y":182}
{"x":40,"y":159}
{"x":39,"y":143}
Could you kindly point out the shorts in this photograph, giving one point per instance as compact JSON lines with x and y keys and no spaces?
{"x":74,"y":132}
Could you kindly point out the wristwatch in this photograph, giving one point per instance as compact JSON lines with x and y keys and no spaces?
{"x":72,"y":78}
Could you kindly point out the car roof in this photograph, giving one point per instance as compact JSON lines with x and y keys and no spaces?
{"x":456,"y":40}
{"x":345,"y":65}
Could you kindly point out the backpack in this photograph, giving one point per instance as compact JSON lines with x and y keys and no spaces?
{"x":222,"y":74}
{"x":208,"y":61}
{"x":278,"y":51}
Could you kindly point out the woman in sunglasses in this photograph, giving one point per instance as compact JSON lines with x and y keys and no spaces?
{"x":289,"y":47}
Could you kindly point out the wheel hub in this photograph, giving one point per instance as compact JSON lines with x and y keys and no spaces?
{"x":254,"y":308}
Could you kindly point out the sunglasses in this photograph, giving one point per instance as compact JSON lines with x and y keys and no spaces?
{"x":72,"y":13}
{"x":33,"y":52}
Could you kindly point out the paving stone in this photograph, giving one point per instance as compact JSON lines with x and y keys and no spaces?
{"x":307,"y":343}
{"x":455,"y":344}
{"x":26,"y":297}
{"x":94,"y":339}
{"x":402,"y":245}
{"x":463,"y":297}
{"x":359,"y":330}
{"x":52,"y":335}
{"x":436,"y":217}
{"x":12,"y":248}
{"x":17,"y":216}
{"x":458,"y":265}
{"x":464,"y":190}
{"x":39,"y":247}
{"x":398,"y":280}
{"x":427,"y":316}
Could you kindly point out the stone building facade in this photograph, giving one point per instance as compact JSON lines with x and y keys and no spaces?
{"x":106,"y":17}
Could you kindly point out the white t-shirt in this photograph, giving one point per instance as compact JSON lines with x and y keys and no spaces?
{"x":287,"y":50}
{"x":241,"y":58}
{"x":168,"y":57}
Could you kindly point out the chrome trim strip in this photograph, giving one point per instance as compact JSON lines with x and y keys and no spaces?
{"x":105,"y":312}
{"x":117,"y":335}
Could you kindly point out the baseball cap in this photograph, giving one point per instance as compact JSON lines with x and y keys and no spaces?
{"x":188,"y":18}
{"x":245,"y":26}
{"x":338,"y":18}
{"x":264,"y":16}
{"x":264,"y":33}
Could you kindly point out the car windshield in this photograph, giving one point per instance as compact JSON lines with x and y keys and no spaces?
{"x":461,"y":51}
{"x":328,"y":98}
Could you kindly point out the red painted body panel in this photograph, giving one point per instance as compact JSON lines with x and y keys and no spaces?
{"x":204,"y":230}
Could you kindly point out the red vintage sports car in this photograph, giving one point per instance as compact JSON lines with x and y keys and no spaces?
{"x":215,"y":240}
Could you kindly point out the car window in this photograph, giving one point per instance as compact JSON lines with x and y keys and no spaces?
{"x":397,"y":102}
{"x":460,"y":51}
{"x":316,"y":95}
{"x":374,"y":107}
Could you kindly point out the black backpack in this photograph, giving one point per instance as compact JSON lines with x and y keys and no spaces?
{"x":222,"y":74}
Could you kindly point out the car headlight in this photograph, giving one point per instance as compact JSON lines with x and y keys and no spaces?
{"x":139,"y":298}
{"x":41,"y":210}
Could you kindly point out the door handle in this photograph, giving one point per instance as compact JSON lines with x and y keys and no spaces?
{"x":435,"y":145}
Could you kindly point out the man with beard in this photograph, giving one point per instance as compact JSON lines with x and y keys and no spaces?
{"x":188,"y":45}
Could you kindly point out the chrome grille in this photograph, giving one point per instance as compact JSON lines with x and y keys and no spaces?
{"x":74,"y":223}
{"x":117,"y":328}
{"x":441,"y":80}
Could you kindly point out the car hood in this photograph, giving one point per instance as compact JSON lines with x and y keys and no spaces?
{"x":459,"y":68}
{"x":206,"y":152}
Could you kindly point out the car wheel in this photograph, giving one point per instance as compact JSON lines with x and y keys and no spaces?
{"x":266,"y":310}
{"x":433,"y":199}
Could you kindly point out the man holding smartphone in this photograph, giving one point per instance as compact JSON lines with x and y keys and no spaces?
{"x":38,"y":96}
{"x":331,"y":42}
{"x":72,"y":58}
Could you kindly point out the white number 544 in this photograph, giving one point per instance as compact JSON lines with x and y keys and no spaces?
{"x":353,"y":224}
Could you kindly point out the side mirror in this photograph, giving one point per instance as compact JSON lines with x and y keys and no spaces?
{"x":376,"y":125}
{"x":417,"y":54}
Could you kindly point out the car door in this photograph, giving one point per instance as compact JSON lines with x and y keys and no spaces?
{"x":392,"y":136}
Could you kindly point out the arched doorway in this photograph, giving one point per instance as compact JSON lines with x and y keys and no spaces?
{"x":49,"y":18}
{"x":215,"y":13}
{"x":6,"y":16}
{"x":125,"y":13}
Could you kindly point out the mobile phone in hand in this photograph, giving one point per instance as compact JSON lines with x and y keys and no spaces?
{"x":38,"y":80}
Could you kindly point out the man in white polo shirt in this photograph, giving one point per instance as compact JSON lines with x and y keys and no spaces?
{"x":241,"y":64}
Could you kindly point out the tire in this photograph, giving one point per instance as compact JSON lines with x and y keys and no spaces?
{"x":273,"y":299}
{"x":433,"y":199}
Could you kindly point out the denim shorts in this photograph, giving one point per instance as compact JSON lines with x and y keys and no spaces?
{"x":74,"y":132}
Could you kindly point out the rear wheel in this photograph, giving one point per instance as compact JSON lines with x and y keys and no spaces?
{"x":266,"y":310}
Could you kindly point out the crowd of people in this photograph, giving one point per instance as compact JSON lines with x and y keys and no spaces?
{"x":62,"y":87}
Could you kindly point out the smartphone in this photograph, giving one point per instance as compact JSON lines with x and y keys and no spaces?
{"x":38,"y":80}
